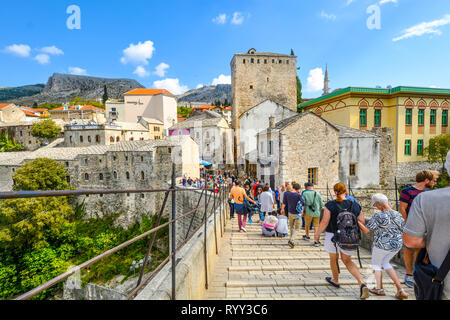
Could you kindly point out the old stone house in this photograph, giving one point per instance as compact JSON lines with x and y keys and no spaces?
{"x":136,"y":165}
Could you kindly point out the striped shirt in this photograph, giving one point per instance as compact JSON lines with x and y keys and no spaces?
{"x":408,"y":195}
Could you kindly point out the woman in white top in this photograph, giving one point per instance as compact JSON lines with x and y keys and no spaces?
{"x":267,"y":202}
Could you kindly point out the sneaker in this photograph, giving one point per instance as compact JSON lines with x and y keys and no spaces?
{"x":306,"y":238}
{"x":291,"y":244}
{"x":317,"y":244}
{"x":364,"y":292}
{"x":244,"y":230}
{"x":409,"y":281}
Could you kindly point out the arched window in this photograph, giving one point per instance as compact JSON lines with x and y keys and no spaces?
{"x":101,"y":176}
{"x":111,"y":139}
{"x":128,"y":175}
{"x":86,"y":177}
{"x":142,"y":175}
{"x":115,"y":174}
{"x":89,"y":139}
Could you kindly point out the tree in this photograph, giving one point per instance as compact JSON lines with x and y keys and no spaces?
{"x":105,"y":95}
{"x":45,"y":130}
{"x":292,"y":52}
{"x":438,"y":149}
{"x":299,"y":93}
{"x":9,"y":145}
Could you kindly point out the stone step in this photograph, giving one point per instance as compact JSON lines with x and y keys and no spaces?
{"x":294,"y":283}
{"x":284,"y":268}
{"x":300,"y":257}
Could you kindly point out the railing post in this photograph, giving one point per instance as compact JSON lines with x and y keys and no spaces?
{"x":215,"y":225}
{"x":204,"y":240}
{"x":174,"y":233}
{"x":220,"y":210}
{"x":396,"y":194}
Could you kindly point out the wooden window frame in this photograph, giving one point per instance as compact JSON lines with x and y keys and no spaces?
{"x":410,"y":116}
{"x":375,"y":117}
{"x":408,"y":145}
{"x":445,"y":124}
{"x":420,"y":150}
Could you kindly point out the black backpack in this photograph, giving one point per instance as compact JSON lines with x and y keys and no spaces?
{"x":429,"y":280}
{"x":347,"y":234}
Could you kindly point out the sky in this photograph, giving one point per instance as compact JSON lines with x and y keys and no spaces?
{"x":182,"y":45}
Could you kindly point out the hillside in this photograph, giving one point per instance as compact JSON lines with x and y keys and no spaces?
{"x":60,"y":88}
{"x":207,"y":94}
{"x":7,"y":94}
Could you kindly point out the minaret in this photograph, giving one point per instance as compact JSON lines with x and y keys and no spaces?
{"x":326,"y":86}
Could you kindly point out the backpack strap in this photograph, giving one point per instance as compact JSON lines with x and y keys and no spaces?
{"x":443,"y":270}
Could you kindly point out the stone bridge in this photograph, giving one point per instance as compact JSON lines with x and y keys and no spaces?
{"x":248,"y":266}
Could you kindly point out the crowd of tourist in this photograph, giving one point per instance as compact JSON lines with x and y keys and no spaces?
{"x":423,"y":222}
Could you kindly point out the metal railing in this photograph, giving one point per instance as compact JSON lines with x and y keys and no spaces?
{"x":219,"y":193}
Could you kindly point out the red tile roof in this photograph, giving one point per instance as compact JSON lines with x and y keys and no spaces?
{"x":2,"y":105}
{"x":146,"y":92}
{"x":30,"y":114}
{"x":84,"y":108}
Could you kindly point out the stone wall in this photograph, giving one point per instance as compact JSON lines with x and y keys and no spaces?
{"x":388,"y":164}
{"x":406,"y":171}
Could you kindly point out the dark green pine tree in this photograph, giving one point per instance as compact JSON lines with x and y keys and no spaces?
{"x":105,"y":95}
{"x":292,"y":52}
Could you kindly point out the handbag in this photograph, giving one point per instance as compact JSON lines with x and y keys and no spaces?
{"x":429,"y":280}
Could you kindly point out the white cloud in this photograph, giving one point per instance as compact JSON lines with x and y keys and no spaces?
{"x":238,"y":18}
{"x":199,"y":86}
{"x":161,"y":69}
{"x":52,"y":50}
{"x":424,"y":28}
{"x":222,"y":79}
{"x":141,"y":72}
{"x":315,"y":80}
{"x":220,"y":19}
{"x":173,"y":85}
{"x":349,"y":2}
{"x":139,"y":53}
{"x":77,"y":71}
{"x":327,"y":16}
{"x":387,"y":1}
{"x":42,"y":58}
{"x":21,"y":50}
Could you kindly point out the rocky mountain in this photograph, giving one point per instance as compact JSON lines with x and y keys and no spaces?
{"x":7,"y":94}
{"x":208,"y":94}
{"x":60,"y":88}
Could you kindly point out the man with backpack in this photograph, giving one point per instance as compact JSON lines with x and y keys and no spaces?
{"x":292,"y":201}
{"x":313,"y":207}
{"x":428,"y":227}
{"x":342,"y":235}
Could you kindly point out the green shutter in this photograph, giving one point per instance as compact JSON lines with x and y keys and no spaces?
{"x":421,"y":116}
{"x":377,"y":118}
{"x":433,"y":117}
{"x":420,"y":147}
{"x":407,"y":147}
{"x":363,"y":117}
{"x":408,"y":117}
{"x":445,"y":118}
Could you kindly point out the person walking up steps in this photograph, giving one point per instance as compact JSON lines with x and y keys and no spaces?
{"x":238,"y":195}
{"x":289,"y":208}
{"x":387,"y":226}
{"x":424,"y":179}
{"x":329,"y":224}
{"x":313,"y":207}
{"x":266,"y":200}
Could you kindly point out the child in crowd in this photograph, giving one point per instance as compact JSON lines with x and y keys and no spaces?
{"x":270,"y":226}
{"x":282,"y":227}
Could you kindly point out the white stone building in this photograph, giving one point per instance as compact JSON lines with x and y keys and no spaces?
{"x":212,"y":133}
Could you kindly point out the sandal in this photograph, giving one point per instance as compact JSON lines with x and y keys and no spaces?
{"x":378,"y":292}
{"x":332,"y":283}
{"x":401,"y":295}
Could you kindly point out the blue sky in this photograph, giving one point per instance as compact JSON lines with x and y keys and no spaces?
{"x":180,"y":45}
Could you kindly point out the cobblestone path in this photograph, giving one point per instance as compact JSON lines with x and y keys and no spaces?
{"x":252,"y":267}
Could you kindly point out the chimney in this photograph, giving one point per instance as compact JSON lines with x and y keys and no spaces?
{"x":272,"y":122}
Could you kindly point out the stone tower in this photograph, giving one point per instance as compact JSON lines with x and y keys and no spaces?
{"x":260,"y":76}
{"x":326,"y":85}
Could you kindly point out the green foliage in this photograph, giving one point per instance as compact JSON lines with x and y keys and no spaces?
{"x":438,"y":149}
{"x":443,"y":181}
{"x":76,"y":100}
{"x":49,"y":106}
{"x":9,"y":145}
{"x":41,"y":175}
{"x":299,"y":93}
{"x":45,"y":130}
{"x":184,"y":112}
{"x":9,"y":281}
{"x":105,"y":95}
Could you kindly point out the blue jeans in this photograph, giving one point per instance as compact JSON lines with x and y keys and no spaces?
{"x":231,"y":210}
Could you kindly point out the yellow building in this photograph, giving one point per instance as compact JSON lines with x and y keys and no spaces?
{"x":415,"y":114}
